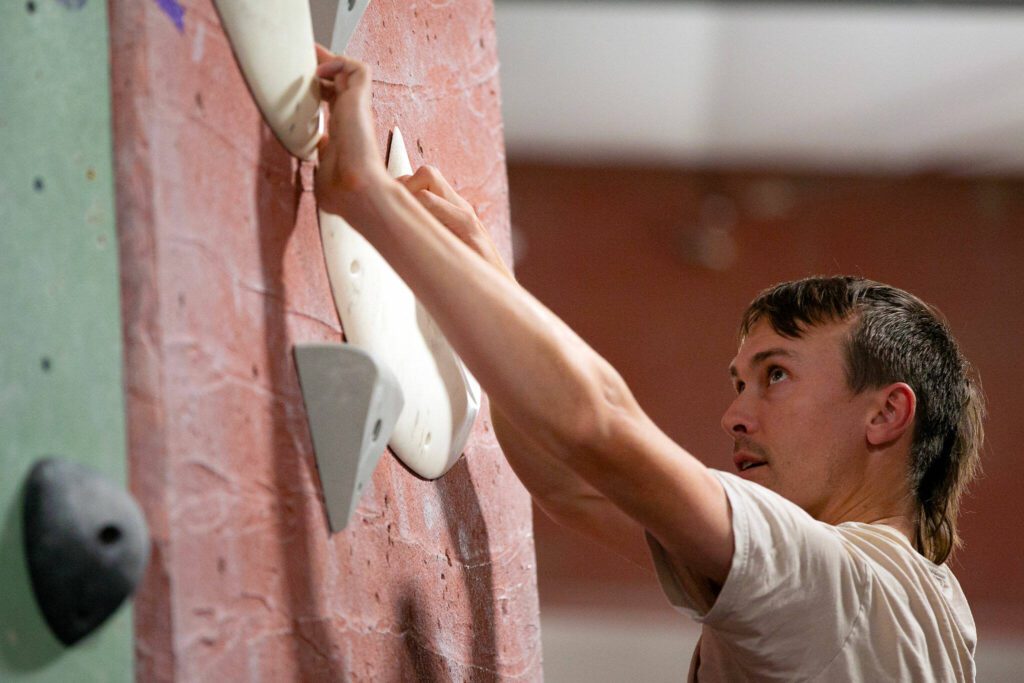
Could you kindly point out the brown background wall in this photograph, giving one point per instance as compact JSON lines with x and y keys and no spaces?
{"x":222,"y":273}
{"x":615,"y":252}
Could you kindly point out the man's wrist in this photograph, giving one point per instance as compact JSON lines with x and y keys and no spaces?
{"x":353,"y":196}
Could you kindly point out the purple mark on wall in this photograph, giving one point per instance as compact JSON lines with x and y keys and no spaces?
{"x":175,"y":11}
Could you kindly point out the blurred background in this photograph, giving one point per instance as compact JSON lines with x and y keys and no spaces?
{"x":668,"y":160}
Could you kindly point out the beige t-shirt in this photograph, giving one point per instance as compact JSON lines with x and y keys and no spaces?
{"x":808,"y":601}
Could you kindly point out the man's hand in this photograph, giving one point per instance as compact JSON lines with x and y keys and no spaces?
{"x":350,"y":162}
{"x":436,"y":194}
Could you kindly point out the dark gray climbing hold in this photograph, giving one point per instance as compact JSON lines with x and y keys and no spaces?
{"x":86,"y":543}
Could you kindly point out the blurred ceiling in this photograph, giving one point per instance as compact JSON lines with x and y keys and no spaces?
{"x":890,"y":87}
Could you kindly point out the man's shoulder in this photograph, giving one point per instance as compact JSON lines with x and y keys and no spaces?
{"x":889,"y":552}
{"x":886,"y":544}
{"x":896,"y":564}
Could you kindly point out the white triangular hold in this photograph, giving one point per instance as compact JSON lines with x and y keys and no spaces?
{"x":352,"y":403}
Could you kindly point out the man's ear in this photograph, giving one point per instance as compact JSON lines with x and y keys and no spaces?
{"x":894,"y":414}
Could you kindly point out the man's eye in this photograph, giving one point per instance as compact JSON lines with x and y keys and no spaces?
{"x":776,"y":374}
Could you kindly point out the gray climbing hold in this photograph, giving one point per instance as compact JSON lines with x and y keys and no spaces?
{"x":86,"y":543}
{"x":352,"y":402}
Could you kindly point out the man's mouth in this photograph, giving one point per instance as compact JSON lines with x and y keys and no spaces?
{"x":744,"y":459}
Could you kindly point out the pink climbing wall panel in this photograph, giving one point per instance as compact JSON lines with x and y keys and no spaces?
{"x":222,"y":273}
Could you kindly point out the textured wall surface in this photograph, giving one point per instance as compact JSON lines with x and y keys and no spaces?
{"x":639,"y":289}
{"x":222,"y":273}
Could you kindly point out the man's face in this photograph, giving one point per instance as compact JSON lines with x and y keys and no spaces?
{"x":795,"y":417}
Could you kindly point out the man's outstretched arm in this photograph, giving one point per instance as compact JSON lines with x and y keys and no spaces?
{"x":549,"y":383}
{"x":561,"y":493}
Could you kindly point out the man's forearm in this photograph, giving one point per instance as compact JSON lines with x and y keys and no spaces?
{"x":550,"y":482}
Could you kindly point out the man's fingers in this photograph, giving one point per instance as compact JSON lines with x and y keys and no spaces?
{"x":429,"y":178}
{"x":344,"y":86}
{"x":358,"y":73}
{"x":443,"y":210}
{"x":329,"y":65}
{"x":461,"y":222}
{"x":444,"y":188}
{"x":326,"y":87}
{"x":323,"y":54}
{"x":446,"y":212}
{"x":330,"y":68}
{"x":414,"y":183}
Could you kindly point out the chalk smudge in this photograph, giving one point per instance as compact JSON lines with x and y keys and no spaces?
{"x":431,"y":513}
{"x":175,"y":11}
{"x":197,"y":45}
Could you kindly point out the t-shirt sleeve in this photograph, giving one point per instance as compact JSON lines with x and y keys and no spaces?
{"x":792,"y":591}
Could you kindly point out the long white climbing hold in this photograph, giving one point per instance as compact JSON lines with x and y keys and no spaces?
{"x":273,"y":43}
{"x":379,"y":313}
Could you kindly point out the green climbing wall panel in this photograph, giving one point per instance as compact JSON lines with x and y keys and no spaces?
{"x":60,"y":331}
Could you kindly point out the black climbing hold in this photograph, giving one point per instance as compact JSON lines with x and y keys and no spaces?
{"x":86,"y":543}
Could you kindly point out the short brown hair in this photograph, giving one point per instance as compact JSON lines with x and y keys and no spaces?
{"x":896,"y":337}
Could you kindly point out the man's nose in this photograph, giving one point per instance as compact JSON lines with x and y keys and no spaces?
{"x":739,"y":417}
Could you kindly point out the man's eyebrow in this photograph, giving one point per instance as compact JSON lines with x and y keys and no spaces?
{"x":762,"y":356}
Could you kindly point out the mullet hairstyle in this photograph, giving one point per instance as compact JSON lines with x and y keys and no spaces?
{"x":896,"y":337}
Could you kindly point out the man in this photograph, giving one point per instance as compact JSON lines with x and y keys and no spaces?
{"x":856,"y":426}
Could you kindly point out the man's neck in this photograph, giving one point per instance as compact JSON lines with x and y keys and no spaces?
{"x":896,"y":513}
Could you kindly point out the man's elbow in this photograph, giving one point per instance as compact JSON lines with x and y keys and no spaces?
{"x":598,"y":427}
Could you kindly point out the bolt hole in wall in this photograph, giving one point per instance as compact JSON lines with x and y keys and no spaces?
{"x":109,"y":535}
{"x":829,"y":151}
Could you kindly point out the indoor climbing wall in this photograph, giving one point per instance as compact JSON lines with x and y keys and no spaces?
{"x":222,"y":273}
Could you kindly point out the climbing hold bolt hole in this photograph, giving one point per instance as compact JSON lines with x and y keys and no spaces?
{"x":376,"y":430}
{"x":45,"y":364}
{"x":109,"y":534}
{"x":31,"y":7}
{"x":38,"y":184}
